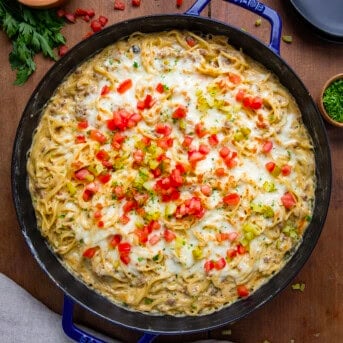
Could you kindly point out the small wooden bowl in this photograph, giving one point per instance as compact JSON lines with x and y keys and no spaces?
{"x":42,"y":3}
{"x":321,"y":105}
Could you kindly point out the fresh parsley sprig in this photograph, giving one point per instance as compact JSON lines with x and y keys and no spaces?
{"x":31,"y":31}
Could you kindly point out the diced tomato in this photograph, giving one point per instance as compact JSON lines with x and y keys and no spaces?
{"x":119,"y":5}
{"x":90,"y":252}
{"x":270,"y":166}
{"x":234,"y":78}
{"x":165,"y":143}
{"x":231,"y":253}
{"x":117,"y":140}
{"x":124,"y":86}
{"x":190,"y":41}
{"x":104,"y":178}
{"x":181,"y":167}
{"x":240,"y":95}
{"x":80,"y":139}
{"x":195,"y":156}
{"x":148,"y":101}
{"x":100,"y":224}
{"x":247,"y":101}
{"x":256,"y":103}
{"x":125,"y":258}
{"x":240,"y":249}
{"x":154,"y":239}
{"x":138,"y":156}
{"x":107,"y":164}
{"x":115,"y":240}
{"x":140,"y":105}
{"x":79,"y":12}
{"x":103,"y":20}
{"x":124,"y":219}
{"x":286,"y":170}
{"x":163,"y":129}
{"x":187,"y":141}
{"x":83,"y":174}
{"x":82,"y":124}
{"x":232,"y":236}
{"x":129,"y":205}
{"x":98,"y":136}
{"x":224,"y":151}
{"x":169,"y":235}
{"x":86,"y":18}
{"x":206,"y":190}
{"x":119,"y":192}
{"x":242,"y":291}
{"x":70,"y":17}
{"x":220,"y":172}
{"x":154,"y":225}
{"x":142,"y":235}
{"x":136,"y":117}
{"x":97,"y":214}
{"x":200,"y":130}
{"x":180,"y":112}
{"x":90,"y":13}
{"x":179,"y":3}
{"x":136,"y":3}
{"x":267,"y":146}
{"x":62,"y":50}
{"x":124,"y":248}
{"x":208,"y":266}
{"x":288,"y":200}
{"x":204,"y":149}
{"x":220,"y":264}
{"x":96,"y":25}
{"x":176,"y":179}
{"x":92,"y":187}
{"x":230,"y":162}
{"x":86,"y":195}
{"x":213,"y":140}
{"x":160,"y":88}
{"x":156,"y":172}
{"x":102,"y":155}
{"x":222,"y":236}
{"x":232,"y":199}
{"x":105,"y":90}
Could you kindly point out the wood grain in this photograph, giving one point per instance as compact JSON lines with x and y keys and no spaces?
{"x":312,"y":316}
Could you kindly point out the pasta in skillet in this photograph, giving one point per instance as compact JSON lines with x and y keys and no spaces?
{"x":172,"y":173}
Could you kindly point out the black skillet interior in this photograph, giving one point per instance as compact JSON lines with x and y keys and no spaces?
{"x":75,"y":288}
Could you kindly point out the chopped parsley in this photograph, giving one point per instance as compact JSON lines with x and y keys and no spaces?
{"x":333,"y":100}
{"x":135,"y":64}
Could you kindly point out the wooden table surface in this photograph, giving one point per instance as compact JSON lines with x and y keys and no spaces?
{"x":315,"y":315}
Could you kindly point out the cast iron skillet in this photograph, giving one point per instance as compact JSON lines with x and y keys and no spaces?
{"x":73,"y":287}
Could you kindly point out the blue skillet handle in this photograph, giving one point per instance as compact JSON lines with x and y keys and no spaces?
{"x":81,"y":336}
{"x":253,"y":6}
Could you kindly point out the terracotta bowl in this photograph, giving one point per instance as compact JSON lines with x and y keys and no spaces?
{"x":321,"y":105}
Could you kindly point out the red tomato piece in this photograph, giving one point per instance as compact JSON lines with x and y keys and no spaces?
{"x":224,"y":152}
{"x":129,"y":205}
{"x":242,"y":291}
{"x":102,"y":155}
{"x":125,"y":258}
{"x":101,"y":224}
{"x":247,"y":101}
{"x":136,"y":117}
{"x":156,"y":172}
{"x":176,"y":178}
{"x":267,"y":146}
{"x":232,"y":236}
{"x":90,"y":13}
{"x":220,"y":172}
{"x":79,"y":12}
{"x":96,"y":25}
{"x":195,"y":156}
{"x":286,"y":170}
{"x":80,"y":139}
{"x":119,"y":5}
{"x":165,"y":143}
{"x":98,"y":136}
{"x":118,"y":140}
{"x":288,"y":200}
{"x":62,"y":50}
{"x":204,"y":149}
{"x":138,"y":156}
{"x":86,"y":195}
{"x":256,"y":103}
{"x":140,"y":105}
{"x":240,"y":95}
{"x":187,"y":141}
{"x":154,"y":225}
{"x":105,"y":90}
{"x":169,"y":235}
{"x":179,"y":3}
{"x":124,"y":248}
{"x":154,"y":239}
{"x":104,"y":178}
{"x":82,"y":124}
{"x":208,"y":266}
{"x":70,"y":17}
{"x":206,"y":190}
{"x":90,"y":252}
{"x":148,"y":101}
{"x":97,"y":214}
{"x":231,"y":253}
{"x":240,"y":249}
{"x":103,"y":20}
{"x":213,"y":140}
{"x":232,"y":199}
{"x":160,"y":88}
{"x":220,"y":264}
{"x":142,"y":235}
{"x":222,"y":236}
{"x":124,"y":219}
{"x":270,"y":166}
{"x":124,"y":86}
{"x":190,"y":41}
{"x":115,"y":240}
{"x":82,"y":174}
{"x":200,"y":130}
{"x":136,"y":3}
{"x":234,"y":78}
{"x":119,"y":192}
{"x":163,"y":129}
{"x":180,"y":112}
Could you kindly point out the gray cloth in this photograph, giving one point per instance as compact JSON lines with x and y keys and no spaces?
{"x":23,"y":319}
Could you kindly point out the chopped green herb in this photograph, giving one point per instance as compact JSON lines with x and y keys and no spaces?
{"x":147,"y":301}
{"x":308,"y":218}
{"x":135,"y":64}
{"x":333,"y":100}
{"x":140,"y":259}
{"x":156,"y":257}
{"x":287,"y":39}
